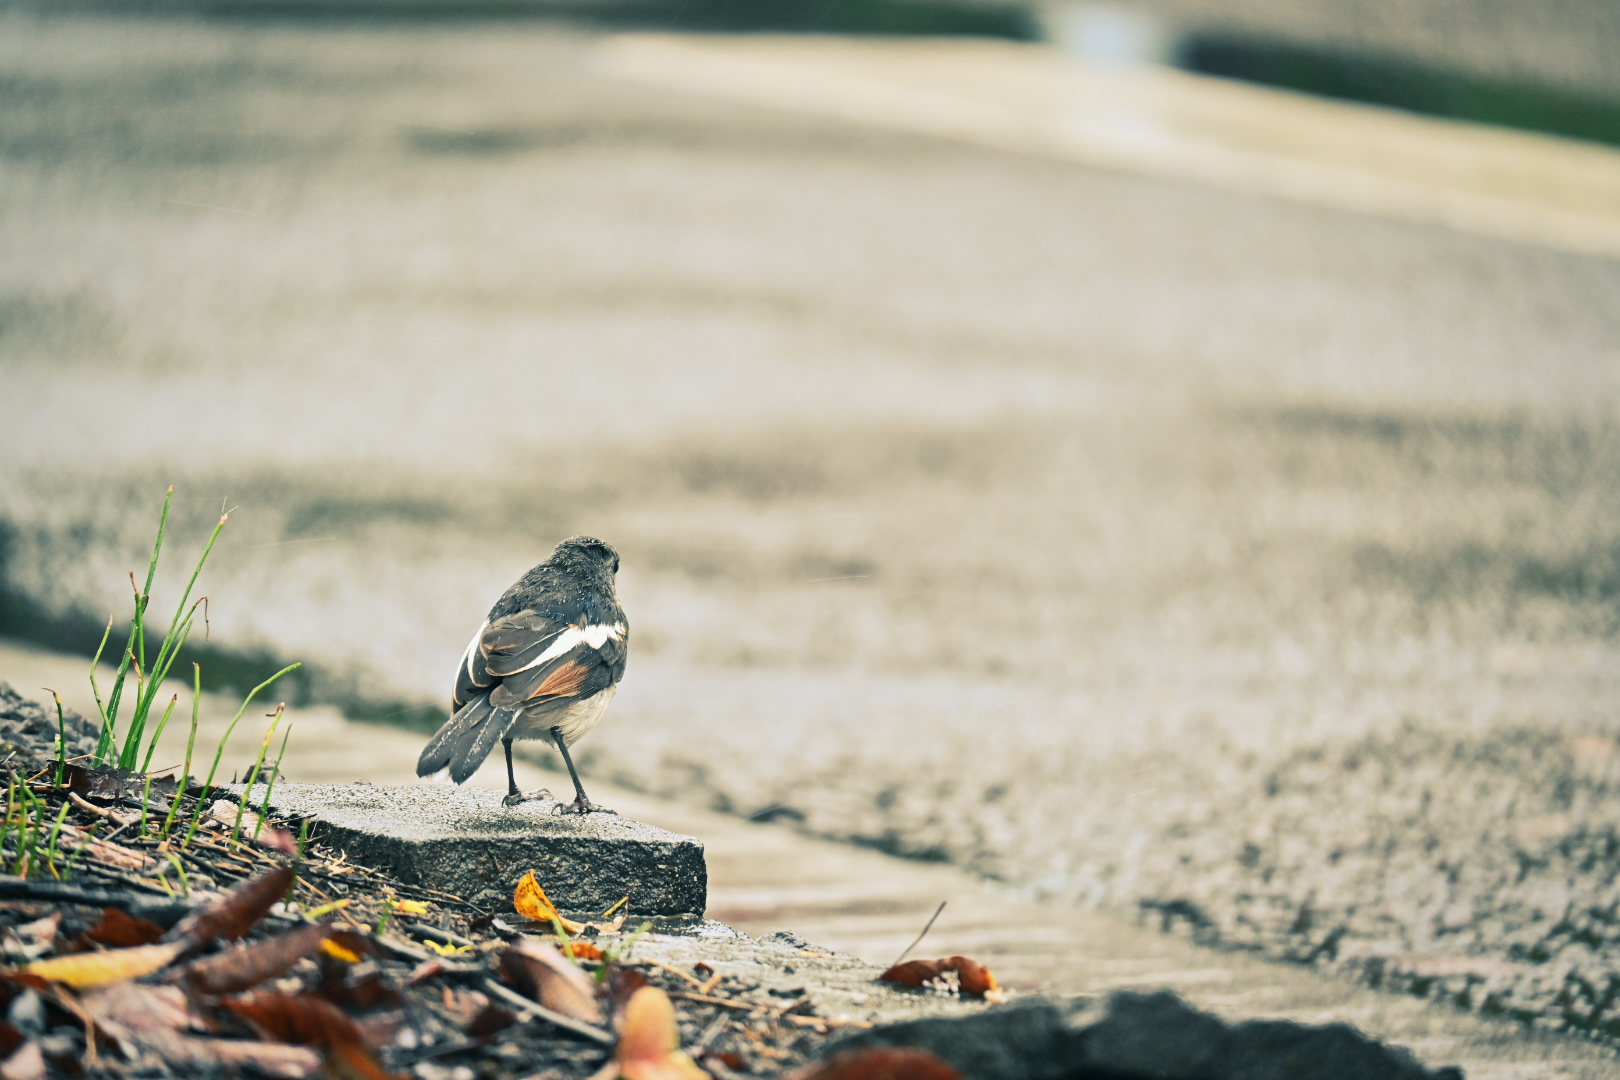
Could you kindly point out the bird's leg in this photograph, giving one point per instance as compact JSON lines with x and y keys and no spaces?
{"x":513,"y":795}
{"x":581,"y":804}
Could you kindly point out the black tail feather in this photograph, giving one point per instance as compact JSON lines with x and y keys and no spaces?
{"x":442,"y":747}
{"x":473,"y":745}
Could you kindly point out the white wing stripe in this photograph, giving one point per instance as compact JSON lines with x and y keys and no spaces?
{"x":594,"y":636}
{"x":472,"y":648}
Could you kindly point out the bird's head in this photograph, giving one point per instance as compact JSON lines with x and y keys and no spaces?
{"x":587,"y":551}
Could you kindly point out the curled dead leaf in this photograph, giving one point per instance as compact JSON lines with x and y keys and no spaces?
{"x":531,"y":901}
{"x":155,"y":1018}
{"x":307,"y":1020}
{"x":233,"y":914}
{"x":246,"y":967}
{"x":649,"y":1041}
{"x":556,"y":982}
{"x":122,"y":931}
{"x":879,"y":1063}
{"x":971,"y":976}
{"x":84,"y":971}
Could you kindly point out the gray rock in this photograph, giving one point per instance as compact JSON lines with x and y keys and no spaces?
{"x":29,"y":728}
{"x":462,"y":841}
{"x":1136,"y":1035}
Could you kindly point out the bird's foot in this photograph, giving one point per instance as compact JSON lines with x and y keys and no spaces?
{"x":517,"y":798}
{"x":582,"y":805}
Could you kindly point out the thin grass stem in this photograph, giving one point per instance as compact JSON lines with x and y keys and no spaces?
{"x":270,"y":785}
{"x":219,"y":752}
{"x":253,"y":775}
{"x":95,"y":662}
{"x":56,"y":831}
{"x":146,"y":766}
{"x":185,"y":772}
{"x":61,"y":738}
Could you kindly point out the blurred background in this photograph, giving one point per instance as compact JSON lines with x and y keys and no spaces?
{"x":1066,"y":440}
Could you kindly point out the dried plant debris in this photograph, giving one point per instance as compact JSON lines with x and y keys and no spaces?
{"x":193,"y":951}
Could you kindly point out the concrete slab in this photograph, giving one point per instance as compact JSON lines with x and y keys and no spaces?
{"x":462,"y":841}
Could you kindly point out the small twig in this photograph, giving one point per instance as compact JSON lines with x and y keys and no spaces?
{"x":87,"y":806}
{"x":716,"y":1026}
{"x":675,"y":971}
{"x":534,"y":1008}
{"x":918,"y":940}
{"x":724,"y":1003}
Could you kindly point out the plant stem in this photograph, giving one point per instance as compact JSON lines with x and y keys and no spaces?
{"x":208,"y":785}
{"x":152,"y":747}
{"x":61,"y":738}
{"x":253,"y":776}
{"x":185,"y":773}
{"x":56,"y":830}
{"x":270,"y":785}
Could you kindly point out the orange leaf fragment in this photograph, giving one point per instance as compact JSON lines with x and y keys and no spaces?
{"x":650,"y":1043}
{"x":880,"y":1063}
{"x":583,"y":950}
{"x":972,"y":977}
{"x":85,"y":971}
{"x":531,"y":902}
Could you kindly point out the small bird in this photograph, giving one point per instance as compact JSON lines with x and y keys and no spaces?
{"x":545,"y":665}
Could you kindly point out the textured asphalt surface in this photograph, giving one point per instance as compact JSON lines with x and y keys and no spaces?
{"x":1118,"y":539}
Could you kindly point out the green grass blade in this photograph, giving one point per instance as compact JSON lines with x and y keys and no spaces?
{"x":144,"y":597}
{"x":185,"y":772}
{"x":270,"y":786}
{"x":219,"y":752}
{"x":61,"y":737}
{"x":253,"y":776}
{"x":152,"y":747}
{"x":94,"y":662}
{"x":171,"y":640}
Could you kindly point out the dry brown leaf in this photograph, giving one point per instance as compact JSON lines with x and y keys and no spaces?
{"x":649,"y":1041}
{"x":105,"y":852}
{"x":531,"y":901}
{"x":879,"y":1063}
{"x":307,"y":1020}
{"x":85,"y":971}
{"x":555,"y":981}
{"x":972,"y":977}
{"x":155,"y":1017}
{"x":121,"y":930}
{"x":234,"y":914}
{"x":246,"y":967}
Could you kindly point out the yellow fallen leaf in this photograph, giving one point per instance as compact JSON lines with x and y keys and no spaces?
{"x":650,"y":1043}
{"x":338,"y":952}
{"x":85,"y":971}
{"x":327,"y":909}
{"x":446,"y":949}
{"x":531,"y":902}
{"x":411,"y":907}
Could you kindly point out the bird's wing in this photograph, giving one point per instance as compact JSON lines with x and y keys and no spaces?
{"x":573,"y":661}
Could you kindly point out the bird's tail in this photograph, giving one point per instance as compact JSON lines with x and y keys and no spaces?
{"x":466,"y":739}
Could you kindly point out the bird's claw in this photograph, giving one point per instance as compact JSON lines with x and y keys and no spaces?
{"x":517,"y":798}
{"x":583,"y":805}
